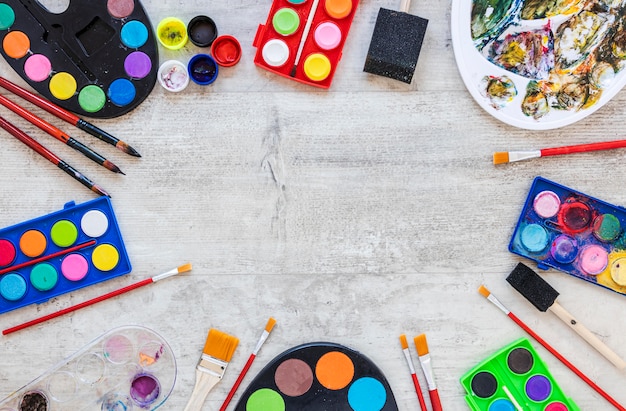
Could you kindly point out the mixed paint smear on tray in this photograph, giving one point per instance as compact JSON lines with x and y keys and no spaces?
{"x":569,"y":50}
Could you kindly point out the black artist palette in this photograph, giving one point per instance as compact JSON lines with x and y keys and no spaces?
{"x":96,"y":58}
{"x":319,"y":376}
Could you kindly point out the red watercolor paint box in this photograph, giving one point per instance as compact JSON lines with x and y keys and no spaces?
{"x":567,"y":230}
{"x":278,"y":40}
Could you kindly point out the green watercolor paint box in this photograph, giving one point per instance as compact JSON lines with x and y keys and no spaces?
{"x":514,"y":378}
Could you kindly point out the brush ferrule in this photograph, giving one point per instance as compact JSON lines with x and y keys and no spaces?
{"x":498,"y":304}
{"x":211,"y":365}
{"x":407,"y":355}
{"x":261,"y":341}
{"x":523,"y":155}
{"x":164,"y":275}
{"x":428,"y":371}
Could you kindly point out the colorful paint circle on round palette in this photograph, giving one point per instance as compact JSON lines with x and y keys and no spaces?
{"x":319,"y":376}
{"x":86,"y":83}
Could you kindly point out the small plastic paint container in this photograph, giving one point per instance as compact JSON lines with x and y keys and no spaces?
{"x":226,"y":50}
{"x":7,"y":252}
{"x":173,"y":76}
{"x":37,"y":67}
{"x":44,"y":277}
{"x":121,"y":92}
{"x":120,"y":8}
{"x":74,"y":267}
{"x":115,"y":401}
{"x":92,"y":98}
{"x":293,"y":377}
{"x":62,"y":85}
{"x":546,"y":204}
{"x":145,"y":389}
{"x":62,"y":386}
{"x":618,"y":271}
{"x":7,"y":16}
{"x":575,"y":216}
{"x":265,"y":399}
{"x":502,"y":404}
{"x":556,"y":406}
{"x":34,"y":400}
{"x":285,"y":21}
{"x":105,"y":257}
{"x":593,"y":259}
{"x":134,"y":34}
{"x":16,"y":44}
{"x":367,"y":393}
{"x":33,"y":243}
{"x":338,"y":9}
{"x":172,"y":33}
{"x":13,"y":287}
{"x":538,"y":388}
{"x":275,"y":53}
{"x":564,"y":249}
{"x":202,"y":69}
{"x":534,"y":238}
{"x":317,"y":67}
{"x":63,"y":233}
{"x":90,"y":368}
{"x":606,"y":227}
{"x":327,"y":35}
{"x":137,"y":65}
{"x":118,"y":349}
{"x":202,"y":31}
{"x":94,"y":223}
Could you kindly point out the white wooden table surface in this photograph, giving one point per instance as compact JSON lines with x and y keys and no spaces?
{"x":350,"y":215}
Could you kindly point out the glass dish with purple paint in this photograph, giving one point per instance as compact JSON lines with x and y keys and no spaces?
{"x":126,"y":368}
{"x":540,"y":65}
{"x":572,"y":232}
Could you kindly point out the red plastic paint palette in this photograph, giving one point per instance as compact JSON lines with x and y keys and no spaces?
{"x":291,"y":46}
{"x":319,"y":377}
{"x":127,"y":368}
{"x":96,"y":58}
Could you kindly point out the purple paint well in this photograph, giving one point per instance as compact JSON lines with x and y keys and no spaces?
{"x":145,"y":389}
{"x":137,"y":65}
{"x":564,"y":249}
{"x":538,"y":388}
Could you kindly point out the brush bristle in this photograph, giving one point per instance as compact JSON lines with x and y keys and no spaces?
{"x":500,"y":157}
{"x":220,"y":345}
{"x":421,"y":345}
{"x":403,"y":342}
{"x":484,"y":291}
{"x":184,"y":268}
{"x":270,"y":324}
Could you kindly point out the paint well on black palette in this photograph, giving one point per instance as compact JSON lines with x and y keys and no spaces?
{"x":573,"y":232}
{"x":60,"y":252}
{"x":319,"y":376}
{"x":96,"y":58}
{"x":514,"y":378}
{"x":126,"y":368}
{"x":277,"y":41}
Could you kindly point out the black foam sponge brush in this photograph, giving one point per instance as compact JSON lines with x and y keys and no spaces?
{"x":396,"y":44}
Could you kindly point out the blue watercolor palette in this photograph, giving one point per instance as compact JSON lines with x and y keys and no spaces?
{"x":72,"y":248}
{"x":572,"y":232}
{"x":127,"y":368}
{"x":514,"y":378}
{"x":319,"y":377}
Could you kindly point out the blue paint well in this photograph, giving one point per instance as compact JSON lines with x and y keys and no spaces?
{"x":502,"y":405}
{"x":122,"y":92}
{"x":367,"y":394}
{"x":12,"y":287}
{"x":534,"y":238}
{"x":134,"y":34}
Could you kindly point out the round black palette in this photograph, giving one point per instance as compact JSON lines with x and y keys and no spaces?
{"x":319,"y":376}
{"x":85,"y":42}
